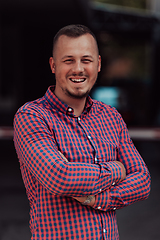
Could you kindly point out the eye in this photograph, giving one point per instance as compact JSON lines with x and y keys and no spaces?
{"x":86,"y":60}
{"x":68,"y":60}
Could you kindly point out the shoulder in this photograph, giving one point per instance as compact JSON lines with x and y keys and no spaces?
{"x":109,"y":115}
{"x":104,"y":108}
{"x":35,"y":107}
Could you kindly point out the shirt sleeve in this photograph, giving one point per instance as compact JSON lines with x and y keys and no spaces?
{"x":136,"y":185}
{"x":37,"y":150}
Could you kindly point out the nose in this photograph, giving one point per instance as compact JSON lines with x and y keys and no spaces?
{"x":78,"y":67}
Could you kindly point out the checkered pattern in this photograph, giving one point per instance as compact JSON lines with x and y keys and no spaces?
{"x":91,"y":143}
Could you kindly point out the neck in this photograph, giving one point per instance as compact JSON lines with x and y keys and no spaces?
{"x":78,"y":106}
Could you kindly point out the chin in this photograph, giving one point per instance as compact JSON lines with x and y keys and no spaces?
{"x":79,"y":95}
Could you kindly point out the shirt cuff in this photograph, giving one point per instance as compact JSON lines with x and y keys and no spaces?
{"x":115,"y":201}
{"x":102,"y":201}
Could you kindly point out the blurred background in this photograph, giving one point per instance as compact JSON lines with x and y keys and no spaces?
{"x":128,"y":33}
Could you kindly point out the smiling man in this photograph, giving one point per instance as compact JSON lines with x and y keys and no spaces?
{"x":76,"y":63}
{"x":77,"y":160}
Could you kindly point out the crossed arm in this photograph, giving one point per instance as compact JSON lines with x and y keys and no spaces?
{"x":37,"y":149}
{"x":92,"y":201}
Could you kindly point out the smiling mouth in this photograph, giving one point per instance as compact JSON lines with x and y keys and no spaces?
{"x":77,"y":80}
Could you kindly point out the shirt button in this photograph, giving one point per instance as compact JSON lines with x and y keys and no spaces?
{"x":79,"y":118}
{"x":69,"y":109}
{"x":89,"y":137}
{"x":99,"y":207}
{"x":114,"y":208}
{"x":95,"y":159}
{"x":104,"y":230}
{"x":113,"y":183}
{"x":100,"y":190}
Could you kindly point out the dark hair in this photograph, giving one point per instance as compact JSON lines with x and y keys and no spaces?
{"x":75,"y":30}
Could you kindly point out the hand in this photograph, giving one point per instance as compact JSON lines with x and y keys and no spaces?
{"x":123,"y":170}
{"x":82,"y":199}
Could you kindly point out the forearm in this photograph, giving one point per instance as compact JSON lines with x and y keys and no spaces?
{"x":91,"y":199}
{"x":134,"y":188}
{"x":70,"y":178}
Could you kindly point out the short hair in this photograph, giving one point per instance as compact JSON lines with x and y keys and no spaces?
{"x":74,"y":30}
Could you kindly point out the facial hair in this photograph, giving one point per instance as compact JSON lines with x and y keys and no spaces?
{"x":77,"y":96}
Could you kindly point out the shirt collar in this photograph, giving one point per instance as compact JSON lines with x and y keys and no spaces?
{"x":57,"y":104}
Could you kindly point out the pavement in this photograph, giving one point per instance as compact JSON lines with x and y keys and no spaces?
{"x":140,"y":221}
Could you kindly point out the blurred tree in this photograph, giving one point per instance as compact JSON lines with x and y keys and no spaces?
{"x":141,"y":4}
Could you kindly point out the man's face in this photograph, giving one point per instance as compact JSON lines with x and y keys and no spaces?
{"x":76,"y":64}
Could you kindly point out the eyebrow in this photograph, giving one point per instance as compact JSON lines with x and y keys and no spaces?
{"x":67,"y":56}
{"x":88,"y":56}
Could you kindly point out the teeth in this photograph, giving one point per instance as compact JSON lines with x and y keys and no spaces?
{"x":77,"y":80}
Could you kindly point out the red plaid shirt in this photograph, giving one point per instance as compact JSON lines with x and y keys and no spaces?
{"x":91,"y":143}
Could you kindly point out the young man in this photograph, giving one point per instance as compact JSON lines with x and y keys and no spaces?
{"x":77,"y":160}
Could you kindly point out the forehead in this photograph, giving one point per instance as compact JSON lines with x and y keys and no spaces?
{"x":71,"y":45}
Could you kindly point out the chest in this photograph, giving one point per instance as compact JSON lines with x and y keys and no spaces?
{"x":86,"y":139}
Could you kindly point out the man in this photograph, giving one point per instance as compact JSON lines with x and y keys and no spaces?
{"x":77,"y":160}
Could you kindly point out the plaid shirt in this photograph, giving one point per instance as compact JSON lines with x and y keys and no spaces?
{"x":91,"y":143}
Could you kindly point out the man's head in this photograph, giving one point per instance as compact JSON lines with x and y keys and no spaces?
{"x":73,"y":31}
{"x":75,"y":62}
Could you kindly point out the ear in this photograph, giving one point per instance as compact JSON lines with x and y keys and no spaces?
{"x":99,"y":63}
{"x":52,"y":64}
